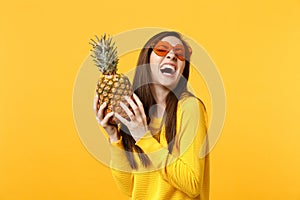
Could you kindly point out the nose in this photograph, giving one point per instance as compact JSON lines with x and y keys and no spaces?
{"x":171,"y":55}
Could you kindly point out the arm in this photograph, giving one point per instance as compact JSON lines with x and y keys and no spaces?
{"x":183,"y":169}
{"x":188,"y":171}
{"x":118,"y":164}
{"x":120,"y":168}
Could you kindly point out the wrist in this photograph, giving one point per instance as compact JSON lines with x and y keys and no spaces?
{"x":139,"y":136}
{"x":114,"y":137}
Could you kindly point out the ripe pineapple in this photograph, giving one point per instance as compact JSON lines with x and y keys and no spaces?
{"x":111,"y":87}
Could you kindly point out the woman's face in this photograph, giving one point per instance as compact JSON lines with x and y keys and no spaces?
{"x":167,"y":69}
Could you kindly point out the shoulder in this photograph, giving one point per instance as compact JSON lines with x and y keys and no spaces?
{"x":190,"y":102}
{"x":191,"y":109}
{"x":191,"y":122}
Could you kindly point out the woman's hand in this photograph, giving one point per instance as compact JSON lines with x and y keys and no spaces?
{"x":103,"y":120}
{"x":138,"y":122}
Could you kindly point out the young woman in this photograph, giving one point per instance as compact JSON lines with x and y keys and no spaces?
{"x":155,"y":154}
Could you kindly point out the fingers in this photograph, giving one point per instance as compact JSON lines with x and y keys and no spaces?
{"x":128,"y":111}
{"x":104,"y":122}
{"x":122,"y":120}
{"x":101,"y":119}
{"x":133,"y":105}
{"x":100,"y":111}
{"x":137,"y":125}
{"x":138,"y":109}
{"x":141,"y":108}
{"x":95,"y":105}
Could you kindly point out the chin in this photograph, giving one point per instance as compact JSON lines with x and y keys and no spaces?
{"x":169,"y":85}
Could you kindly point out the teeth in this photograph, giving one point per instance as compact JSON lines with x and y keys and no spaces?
{"x":168,"y":66}
{"x":168,"y":69}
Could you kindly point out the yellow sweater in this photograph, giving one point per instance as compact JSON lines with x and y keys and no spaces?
{"x":177,"y":176}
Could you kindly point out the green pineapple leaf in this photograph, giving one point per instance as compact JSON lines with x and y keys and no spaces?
{"x":104,"y":54}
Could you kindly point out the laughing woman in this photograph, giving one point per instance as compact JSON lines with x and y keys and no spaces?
{"x":156,"y":154}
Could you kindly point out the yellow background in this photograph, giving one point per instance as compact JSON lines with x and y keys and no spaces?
{"x":255,"y":45}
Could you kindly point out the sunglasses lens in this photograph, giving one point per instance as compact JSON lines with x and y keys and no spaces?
{"x":180,"y":57}
{"x":162,"y":48}
{"x":179,"y":52}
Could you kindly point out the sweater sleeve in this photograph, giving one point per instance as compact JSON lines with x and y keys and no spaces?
{"x":120,"y":168}
{"x":183,"y":168}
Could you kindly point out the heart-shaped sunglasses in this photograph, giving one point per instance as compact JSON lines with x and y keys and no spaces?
{"x":162,"y":48}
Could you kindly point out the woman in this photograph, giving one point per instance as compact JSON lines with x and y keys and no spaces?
{"x":155,"y":155}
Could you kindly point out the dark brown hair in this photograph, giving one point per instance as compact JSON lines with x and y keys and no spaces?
{"x":141,"y":86}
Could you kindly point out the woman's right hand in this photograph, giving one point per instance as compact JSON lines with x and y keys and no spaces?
{"x":103,"y":120}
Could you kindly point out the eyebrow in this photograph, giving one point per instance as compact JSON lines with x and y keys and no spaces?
{"x":171,"y":43}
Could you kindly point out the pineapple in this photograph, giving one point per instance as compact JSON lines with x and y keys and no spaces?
{"x":111,"y":86}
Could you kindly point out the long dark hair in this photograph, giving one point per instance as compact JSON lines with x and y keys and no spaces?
{"x":141,"y":86}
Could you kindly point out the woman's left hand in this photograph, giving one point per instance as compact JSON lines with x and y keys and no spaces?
{"x":138,"y":122}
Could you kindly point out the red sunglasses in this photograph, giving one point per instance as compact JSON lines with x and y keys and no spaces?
{"x":162,"y":48}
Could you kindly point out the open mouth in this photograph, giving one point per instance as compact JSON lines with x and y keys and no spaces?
{"x":168,"y":69}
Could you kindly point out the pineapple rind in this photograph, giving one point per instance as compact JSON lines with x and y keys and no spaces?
{"x":112,"y":89}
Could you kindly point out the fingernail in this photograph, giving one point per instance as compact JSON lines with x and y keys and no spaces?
{"x":126,"y":97}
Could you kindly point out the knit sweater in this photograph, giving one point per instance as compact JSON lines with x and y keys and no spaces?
{"x":182,"y":174}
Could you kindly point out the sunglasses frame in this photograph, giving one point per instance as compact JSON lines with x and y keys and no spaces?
{"x":170,"y":47}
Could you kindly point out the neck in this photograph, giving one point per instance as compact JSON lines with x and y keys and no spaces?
{"x":160,"y":95}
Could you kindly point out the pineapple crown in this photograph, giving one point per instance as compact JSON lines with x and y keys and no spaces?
{"x":105,"y":54}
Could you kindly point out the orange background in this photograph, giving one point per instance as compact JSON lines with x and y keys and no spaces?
{"x":255,"y":45}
